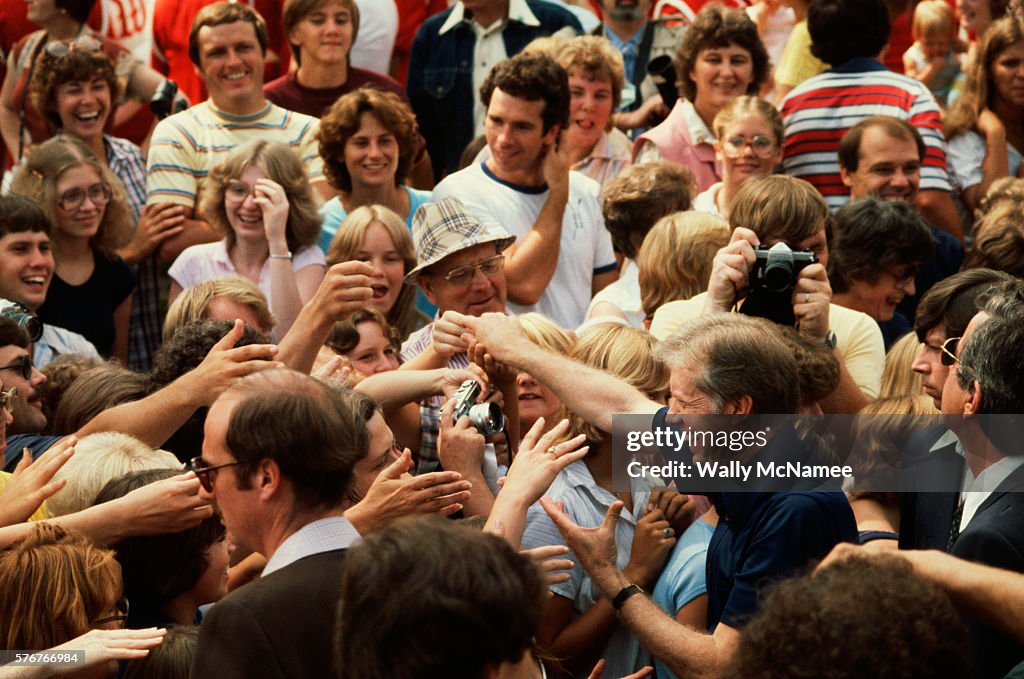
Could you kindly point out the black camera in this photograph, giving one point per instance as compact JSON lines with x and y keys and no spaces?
{"x":777,"y":267}
{"x":26,"y":320}
{"x":166,"y":100}
{"x":663,"y":74}
{"x":486,"y":417}
{"x":771,"y":282}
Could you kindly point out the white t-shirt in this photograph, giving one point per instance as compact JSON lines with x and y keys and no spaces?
{"x":585,"y":248}
{"x":624,"y":295}
{"x":378,"y":26}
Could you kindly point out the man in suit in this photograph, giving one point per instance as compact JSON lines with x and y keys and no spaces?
{"x":278,"y":454}
{"x":979,"y":401}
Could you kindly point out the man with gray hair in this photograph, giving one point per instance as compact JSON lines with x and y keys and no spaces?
{"x":982,"y":401}
{"x":725,"y":364}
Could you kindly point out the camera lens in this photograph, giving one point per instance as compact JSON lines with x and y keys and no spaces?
{"x":487,"y":418}
{"x":778,"y":276}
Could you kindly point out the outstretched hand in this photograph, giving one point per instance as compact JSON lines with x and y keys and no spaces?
{"x":226,"y":363}
{"x":31,"y":484}
{"x":594,"y":547}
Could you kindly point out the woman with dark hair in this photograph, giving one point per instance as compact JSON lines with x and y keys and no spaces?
{"x":985,"y":126}
{"x":91,"y":289}
{"x":75,"y":91}
{"x":63,"y":30}
{"x":368,"y":140}
{"x":720,"y":58}
{"x":168,"y":577}
{"x":260,"y":200}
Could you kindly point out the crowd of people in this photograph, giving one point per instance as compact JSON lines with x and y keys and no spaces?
{"x":318,"y":337}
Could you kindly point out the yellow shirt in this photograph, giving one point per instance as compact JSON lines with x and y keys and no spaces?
{"x":40,"y":514}
{"x":797,"y":64}
{"x":859,"y":339}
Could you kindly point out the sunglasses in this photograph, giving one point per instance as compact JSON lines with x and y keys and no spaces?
{"x":23,"y":365}
{"x":206,"y":473}
{"x":948,"y":351}
{"x":87,"y":43}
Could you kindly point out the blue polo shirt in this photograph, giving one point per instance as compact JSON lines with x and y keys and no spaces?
{"x":764,"y":536}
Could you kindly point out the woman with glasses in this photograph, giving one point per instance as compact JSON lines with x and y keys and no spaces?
{"x":91,"y":289}
{"x":259,"y":199}
{"x":720,"y":58}
{"x":64,"y":29}
{"x":56,"y":586}
{"x":748,"y":143}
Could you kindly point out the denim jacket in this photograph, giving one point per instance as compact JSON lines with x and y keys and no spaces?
{"x":440,"y":84}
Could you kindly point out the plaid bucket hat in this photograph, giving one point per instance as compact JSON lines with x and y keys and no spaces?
{"x":446,"y":227}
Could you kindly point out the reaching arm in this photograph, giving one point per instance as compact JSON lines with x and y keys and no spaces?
{"x":937,"y":207}
{"x":592,"y":394}
{"x":996,"y":163}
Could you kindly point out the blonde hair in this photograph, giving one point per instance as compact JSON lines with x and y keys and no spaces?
{"x":543,"y":332}
{"x":882,"y":429}
{"x":281,"y":165}
{"x":596,"y":59}
{"x":37,"y":181}
{"x":99,"y":458}
{"x":933,"y":17}
{"x":898,"y":377}
{"x":676,"y":257}
{"x":55,"y":582}
{"x":626,"y":353}
{"x":746,"y":104}
{"x":194,"y":303}
{"x":349,"y":240}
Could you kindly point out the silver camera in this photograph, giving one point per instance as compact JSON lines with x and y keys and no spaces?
{"x":486,"y":417}
{"x":26,"y":320}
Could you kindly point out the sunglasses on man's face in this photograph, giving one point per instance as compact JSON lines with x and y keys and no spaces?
{"x":23,"y":366}
{"x":947,"y":353}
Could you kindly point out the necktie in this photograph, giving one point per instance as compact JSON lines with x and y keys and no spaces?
{"x":954,"y":529}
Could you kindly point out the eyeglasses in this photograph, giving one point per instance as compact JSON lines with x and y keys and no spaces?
{"x":491,"y":266}
{"x":120,"y":614}
{"x":99,"y":194}
{"x":205,"y":473}
{"x":23,"y":365}
{"x":904,"y":278}
{"x":762,"y":146}
{"x":7,"y":399}
{"x":86,"y":43}
{"x":948,"y":356}
{"x":236,"y":192}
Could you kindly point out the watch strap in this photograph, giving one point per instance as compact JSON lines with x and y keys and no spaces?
{"x":624,"y":594}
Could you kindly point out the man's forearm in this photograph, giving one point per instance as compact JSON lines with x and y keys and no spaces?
{"x":847,"y":398}
{"x":299,"y":347}
{"x":153,"y":419}
{"x":196,"y":231}
{"x":937,"y":207}
{"x":395,"y":388}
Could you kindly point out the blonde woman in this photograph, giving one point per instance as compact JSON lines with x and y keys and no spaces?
{"x":898,"y":377}
{"x":376,"y":234}
{"x":577,"y":626}
{"x":693,"y":238}
{"x":259,"y":199}
{"x":91,"y":289}
{"x":535,"y":399}
{"x":224,"y":298}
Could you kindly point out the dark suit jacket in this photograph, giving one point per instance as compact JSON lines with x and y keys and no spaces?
{"x":926,"y":513}
{"x":278,"y":627}
{"x":995,"y":537}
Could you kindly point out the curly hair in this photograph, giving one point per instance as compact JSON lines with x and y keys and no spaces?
{"x":533,"y":77}
{"x":857,"y":618}
{"x":639,"y":196}
{"x":999,"y":240}
{"x":716,"y":27}
{"x":280,"y":164}
{"x":38,"y":179}
{"x":979,"y":91}
{"x":190,"y":344}
{"x":594,"y":58}
{"x":76,"y":65}
{"x":342,"y":122}
{"x":344,"y":335}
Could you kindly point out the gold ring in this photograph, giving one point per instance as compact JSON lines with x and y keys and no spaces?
{"x":807,"y":297}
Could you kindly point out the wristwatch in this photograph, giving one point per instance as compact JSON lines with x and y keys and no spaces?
{"x":831,"y":340}
{"x":624,"y":593}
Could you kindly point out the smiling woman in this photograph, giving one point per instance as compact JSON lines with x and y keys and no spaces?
{"x":259,"y":198}
{"x":91,"y":288}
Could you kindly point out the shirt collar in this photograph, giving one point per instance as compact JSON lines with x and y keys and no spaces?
{"x":699,"y":132}
{"x":859,"y":65}
{"x":323,"y":535}
{"x":518,"y":10}
{"x":618,"y":43}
